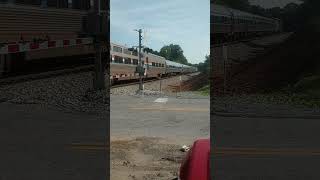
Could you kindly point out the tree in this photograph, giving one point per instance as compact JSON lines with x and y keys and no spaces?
{"x":173,"y":52}
{"x":149,"y":50}
{"x":204,"y":67}
{"x":236,"y":4}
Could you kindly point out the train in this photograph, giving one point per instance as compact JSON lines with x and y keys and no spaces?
{"x":64,"y":21}
{"x":123,"y":64}
{"x":37,"y":21}
{"x":229,"y":24}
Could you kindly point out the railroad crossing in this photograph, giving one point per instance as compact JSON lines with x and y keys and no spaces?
{"x":181,"y":120}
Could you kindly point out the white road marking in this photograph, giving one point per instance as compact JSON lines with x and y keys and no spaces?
{"x":161,"y":100}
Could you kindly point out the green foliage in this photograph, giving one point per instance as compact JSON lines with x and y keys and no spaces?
{"x":173,"y":52}
{"x":204,"y":67}
{"x":205,"y":91}
{"x":149,"y":50}
{"x":236,"y":4}
{"x":311,"y":83}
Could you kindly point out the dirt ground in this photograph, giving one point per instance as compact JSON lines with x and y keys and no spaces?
{"x":145,"y":158}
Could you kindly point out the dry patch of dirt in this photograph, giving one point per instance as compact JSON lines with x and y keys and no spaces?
{"x":145,"y":158}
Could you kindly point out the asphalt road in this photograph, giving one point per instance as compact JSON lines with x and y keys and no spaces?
{"x":265,"y":148}
{"x":180,"y":120}
{"x":39,"y":143}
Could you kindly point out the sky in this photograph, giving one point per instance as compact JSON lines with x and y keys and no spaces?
{"x":272,"y":3}
{"x":182,"y":22}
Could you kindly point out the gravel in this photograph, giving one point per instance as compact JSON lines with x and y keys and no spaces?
{"x":261,"y":104}
{"x":152,"y":88}
{"x":69,"y":93}
{"x":145,"y":158}
{"x":73,"y":92}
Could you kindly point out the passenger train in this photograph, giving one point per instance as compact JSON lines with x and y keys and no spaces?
{"x":231,"y":24}
{"x":37,"y":21}
{"x":123,"y":65}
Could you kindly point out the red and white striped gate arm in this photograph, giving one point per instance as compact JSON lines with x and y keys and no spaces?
{"x":17,"y":47}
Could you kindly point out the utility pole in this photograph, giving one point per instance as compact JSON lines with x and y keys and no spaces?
{"x":140,"y":68}
{"x":225,"y":58}
{"x":98,"y":28}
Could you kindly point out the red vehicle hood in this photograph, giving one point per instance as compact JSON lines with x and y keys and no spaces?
{"x":196,"y":165}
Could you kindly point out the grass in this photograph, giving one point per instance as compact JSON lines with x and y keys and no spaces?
{"x":306,"y":92}
{"x":205,"y":90}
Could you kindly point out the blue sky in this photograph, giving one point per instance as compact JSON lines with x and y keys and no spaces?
{"x":183,"y":22}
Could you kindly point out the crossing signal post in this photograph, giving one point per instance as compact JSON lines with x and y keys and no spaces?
{"x":98,"y":27}
{"x":139,"y":68}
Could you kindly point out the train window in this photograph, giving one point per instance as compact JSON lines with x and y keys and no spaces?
{"x":218,"y":19}
{"x":28,"y":2}
{"x":127,"y":60}
{"x":135,"y":61}
{"x":56,"y":3}
{"x":153,"y":64}
{"x":80,"y":4}
{"x":222,"y":19}
{"x":134,"y":53}
{"x":126,"y":51}
{"x":118,"y":59}
{"x":117,"y":49}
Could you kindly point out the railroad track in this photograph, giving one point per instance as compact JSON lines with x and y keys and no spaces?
{"x":248,"y":40}
{"x":43,"y":75}
{"x":145,"y":81}
{"x":137,"y":82}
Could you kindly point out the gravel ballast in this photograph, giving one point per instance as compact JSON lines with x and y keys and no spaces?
{"x":153,"y":88}
{"x":74,"y":92}
{"x":68,"y":92}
